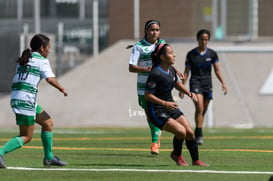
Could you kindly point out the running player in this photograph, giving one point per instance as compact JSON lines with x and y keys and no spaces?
{"x":199,"y":61}
{"x":32,"y":66}
{"x":161,"y":108}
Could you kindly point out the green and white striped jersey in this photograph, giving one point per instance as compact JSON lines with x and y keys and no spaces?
{"x":141,"y":56}
{"x":25,"y":84}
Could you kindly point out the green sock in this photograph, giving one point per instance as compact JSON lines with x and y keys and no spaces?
{"x":155,"y":132}
{"x":47,"y":144}
{"x":11,"y":145}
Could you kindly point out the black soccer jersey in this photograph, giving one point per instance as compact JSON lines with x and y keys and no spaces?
{"x":161,"y":83}
{"x":200,"y":67}
{"x":200,"y":64}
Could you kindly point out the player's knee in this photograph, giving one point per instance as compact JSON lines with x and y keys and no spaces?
{"x":190,"y":136}
{"x":181,"y":134}
{"x":49,"y":124}
{"x":27,"y":139}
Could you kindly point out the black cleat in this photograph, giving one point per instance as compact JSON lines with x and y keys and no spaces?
{"x":2,"y":164}
{"x":54,"y":162}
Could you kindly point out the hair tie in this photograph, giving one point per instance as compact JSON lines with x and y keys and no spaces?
{"x":160,"y":46}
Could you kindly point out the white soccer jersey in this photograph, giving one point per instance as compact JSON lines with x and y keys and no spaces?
{"x":141,"y":56}
{"x":25,"y":84}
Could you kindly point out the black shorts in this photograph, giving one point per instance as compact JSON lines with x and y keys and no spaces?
{"x":159,"y":115}
{"x":203,"y":87}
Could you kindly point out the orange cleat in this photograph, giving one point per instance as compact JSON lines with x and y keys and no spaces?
{"x":154,"y":148}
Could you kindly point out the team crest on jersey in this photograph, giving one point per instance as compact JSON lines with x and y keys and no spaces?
{"x":151,"y":84}
{"x":208,"y":59}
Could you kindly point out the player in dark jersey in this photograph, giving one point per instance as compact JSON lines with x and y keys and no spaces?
{"x":163,"y":112}
{"x":199,"y":61}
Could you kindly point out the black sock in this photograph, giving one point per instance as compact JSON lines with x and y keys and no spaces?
{"x":177,"y":146}
{"x":198,"y":132}
{"x":193,"y":149}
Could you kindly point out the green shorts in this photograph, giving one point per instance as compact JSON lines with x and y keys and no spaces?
{"x":142,"y":101}
{"x":28,"y":120}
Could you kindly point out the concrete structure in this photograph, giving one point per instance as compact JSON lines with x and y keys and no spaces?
{"x":102,"y":93}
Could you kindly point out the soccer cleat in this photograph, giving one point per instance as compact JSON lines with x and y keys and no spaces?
{"x":179,"y":160}
{"x":199,"y":140}
{"x":2,"y":165}
{"x":154,"y":148}
{"x":199,"y":163}
{"x":55,"y":161}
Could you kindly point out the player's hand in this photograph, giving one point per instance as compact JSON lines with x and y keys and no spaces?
{"x":171,"y":105}
{"x":224,"y":88}
{"x":193,"y":96}
{"x":64,"y":92}
{"x":148,"y":69}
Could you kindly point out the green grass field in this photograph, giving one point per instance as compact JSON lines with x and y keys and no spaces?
{"x":123,"y":154}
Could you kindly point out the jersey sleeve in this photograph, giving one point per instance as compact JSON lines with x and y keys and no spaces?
{"x":151,"y":83}
{"x":46,"y":70}
{"x":215,"y":57}
{"x":134,"y":57}
{"x":176,"y":77}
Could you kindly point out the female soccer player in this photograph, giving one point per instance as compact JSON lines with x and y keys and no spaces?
{"x":161,"y":108}
{"x":140,"y":62}
{"x":199,"y":61}
{"x":31,"y":68}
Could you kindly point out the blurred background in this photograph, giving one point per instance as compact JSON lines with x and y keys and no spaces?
{"x":72,"y":24}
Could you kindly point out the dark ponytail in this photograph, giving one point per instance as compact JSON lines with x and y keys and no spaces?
{"x":26,"y":55}
{"x":35,"y":44}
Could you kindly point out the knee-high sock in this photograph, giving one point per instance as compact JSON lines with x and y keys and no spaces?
{"x":177,"y":146}
{"x":46,"y":137}
{"x":193,"y":149}
{"x":11,"y":145}
{"x":198,"y":132}
{"x":155,"y":132}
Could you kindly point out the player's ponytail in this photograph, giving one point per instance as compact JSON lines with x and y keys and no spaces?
{"x":26,"y":55}
{"x":35,"y":44}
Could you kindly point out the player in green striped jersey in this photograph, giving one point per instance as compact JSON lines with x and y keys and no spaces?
{"x":140,"y":62}
{"x":32,"y":67}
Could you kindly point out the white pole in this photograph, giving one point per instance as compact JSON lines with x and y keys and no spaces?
{"x":22,"y":43}
{"x":209,"y":122}
{"x":224,"y":17}
{"x":136,"y":19}
{"x":19,"y":10}
{"x":60,"y":46}
{"x":23,"y":38}
{"x":253,"y":19}
{"x":82,"y":10}
{"x":214,"y":17}
{"x":95,"y":28}
{"x":37,"y":18}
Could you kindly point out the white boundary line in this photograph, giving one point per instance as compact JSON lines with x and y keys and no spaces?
{"x":142,"y":170}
